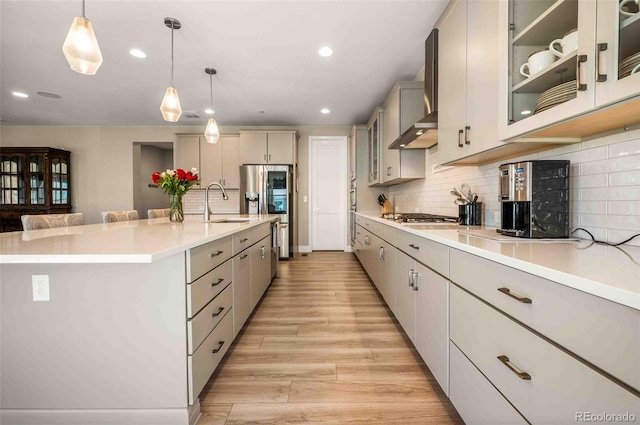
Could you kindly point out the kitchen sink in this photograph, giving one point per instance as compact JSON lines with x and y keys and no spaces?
{"x":231,"y":220}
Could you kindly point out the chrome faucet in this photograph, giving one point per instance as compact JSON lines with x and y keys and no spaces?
{"x":207,"y":212}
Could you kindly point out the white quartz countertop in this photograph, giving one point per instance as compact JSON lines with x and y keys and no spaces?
{"x":608,"y":272}
{"x":137,"y":241}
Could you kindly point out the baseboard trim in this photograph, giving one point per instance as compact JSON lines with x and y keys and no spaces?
{"x":304,"y":248}
{"x":186,"y":416}
{"x":348,"y":248}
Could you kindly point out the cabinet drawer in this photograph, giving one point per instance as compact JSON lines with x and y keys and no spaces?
{"x":589,"y":326}
{"x":203,"y":290}
{"x":558,"y":386}
{"x":204,"y":361}
{"x":206,"y":257}
{"x":242,"y":240}
{"x":383,"y":231}
{"x":431,"y":254}
{"x":360,"y":233}
{"x":475,"y":399}
{"x":199,"y":327}
{"x":261,"y":231}
{"x":360,"y":220}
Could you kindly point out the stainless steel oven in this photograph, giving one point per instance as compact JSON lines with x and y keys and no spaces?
{"x":352,"y":225}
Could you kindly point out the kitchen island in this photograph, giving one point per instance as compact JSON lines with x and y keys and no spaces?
{"x":138,"y":316}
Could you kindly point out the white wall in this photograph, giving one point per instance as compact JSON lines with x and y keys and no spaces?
{"x":605,"y":186}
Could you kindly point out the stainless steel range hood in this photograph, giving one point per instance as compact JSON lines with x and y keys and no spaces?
{"x":424,"y":133}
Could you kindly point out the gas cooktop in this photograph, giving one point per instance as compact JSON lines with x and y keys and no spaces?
{"x":420,"y":218}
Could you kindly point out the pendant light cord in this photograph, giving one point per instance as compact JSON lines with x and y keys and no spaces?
{"x":211,"y":87}
{"x":171,"y":54}
{"x":83,"y":14}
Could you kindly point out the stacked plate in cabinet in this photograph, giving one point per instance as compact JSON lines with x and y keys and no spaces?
{"x":626,"y":66}
{"x":556,"y":95}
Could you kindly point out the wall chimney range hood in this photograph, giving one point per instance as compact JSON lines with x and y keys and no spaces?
{"x":424,"y":133}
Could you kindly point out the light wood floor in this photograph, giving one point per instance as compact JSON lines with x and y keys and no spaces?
{"x":322,"y":348}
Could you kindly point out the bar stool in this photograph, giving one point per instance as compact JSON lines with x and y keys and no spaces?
{"x":158,"y":213}
{"x":50,"y":221}
{"x":115,"y":216}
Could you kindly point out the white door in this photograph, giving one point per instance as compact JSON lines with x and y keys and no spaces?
{"x":328,"y":160}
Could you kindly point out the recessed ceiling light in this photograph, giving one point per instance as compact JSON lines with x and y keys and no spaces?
{"x":325,"y":51}
{"x":324,"y":111}
{"x":19,"y":94}
{"x":525,"y":112}
{"x":209,"y":111}
{"x":49,"y":95}
{"x":137,"y":53}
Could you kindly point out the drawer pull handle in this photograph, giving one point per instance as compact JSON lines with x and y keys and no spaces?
{"x":242,"y":257}
{"x":220,"y":310}
{"x":415,"y":280}
{"x":411,"y":274}
{"x":414,"y":246}
{"x":218,"y":282}
{"x":244,"y":240}
{"x":220,"y":344}
{"x":523,"y":300}
{"x":521,"y":375}
{"x":215,"y":254}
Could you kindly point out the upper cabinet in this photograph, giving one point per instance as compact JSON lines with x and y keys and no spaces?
{"x":402,"y":108}
{"x":374,"y":136}
{"x":218,"y":162}
{"x":468,"y":79}
{"x":564,"y":59}
{"x":33,"y":181}
{"x":273,"y":147}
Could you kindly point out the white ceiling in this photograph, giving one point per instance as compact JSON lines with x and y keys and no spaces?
{"x":265,"y":52}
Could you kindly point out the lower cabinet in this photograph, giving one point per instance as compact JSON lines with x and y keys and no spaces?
{"x":416,"y":294}
{"x":544,"y":383}
{"x":206,"y":358}
{"x":421,"y":309}
{"x":241,"y":290}
{"x":475,"y":399}
{"x":260,"y":269}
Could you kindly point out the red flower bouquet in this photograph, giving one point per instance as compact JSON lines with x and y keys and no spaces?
{"x":176,"y":183}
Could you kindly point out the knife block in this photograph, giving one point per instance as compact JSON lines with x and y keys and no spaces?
{"x":387,"y":208}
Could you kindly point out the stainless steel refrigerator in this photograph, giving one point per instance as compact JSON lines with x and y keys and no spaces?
{"x":267,"y":189}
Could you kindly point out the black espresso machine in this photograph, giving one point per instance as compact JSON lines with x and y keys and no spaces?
{"x":534,"y":199}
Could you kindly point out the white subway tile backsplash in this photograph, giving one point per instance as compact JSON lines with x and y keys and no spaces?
{"x":628,"y":148}
{"x":624,"y":208}
{"x":605,"y":186}
{"x":594,"y":180}
{"x":582,"y":156}
{"x":616,"y":236}
{"x":625,"y":178}
{"x":613,"y":165}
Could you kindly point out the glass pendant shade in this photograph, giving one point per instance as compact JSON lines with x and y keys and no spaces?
{"x":211,"y":133}
{"x":170,"y":106}
{"x":81,"y":47}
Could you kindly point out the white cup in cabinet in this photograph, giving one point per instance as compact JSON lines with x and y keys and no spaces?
{"x":537,"y":62}
{"x":629,"y":7}
{"x":567,"y":44}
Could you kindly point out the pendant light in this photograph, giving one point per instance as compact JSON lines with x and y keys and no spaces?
{"x":211,"y":133}
{"x":81,"y":47}
{"x":170,"y":106}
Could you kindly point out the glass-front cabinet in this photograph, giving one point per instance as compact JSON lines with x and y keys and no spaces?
{"x":33,"y":181}
{"x":565,"y":58}
{"x":374,"y":135}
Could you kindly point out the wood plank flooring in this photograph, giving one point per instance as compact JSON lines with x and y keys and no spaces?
{"x":322,"y":348}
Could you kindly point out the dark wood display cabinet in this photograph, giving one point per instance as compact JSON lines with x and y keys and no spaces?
{"x":33,"y":181}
